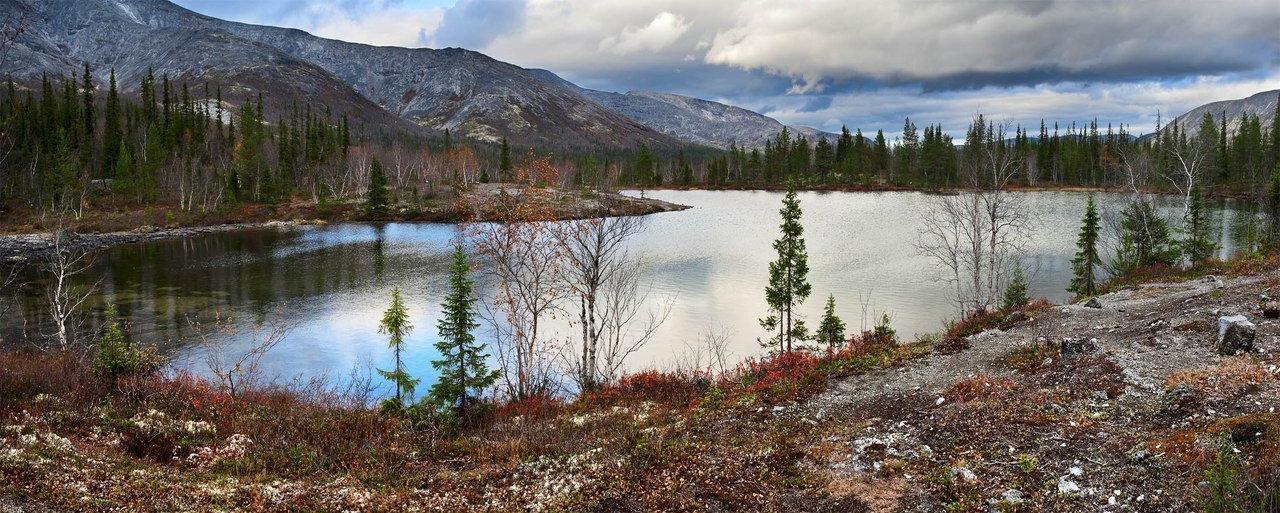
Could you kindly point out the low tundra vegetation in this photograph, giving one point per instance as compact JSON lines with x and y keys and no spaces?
{"x":75,"y":437}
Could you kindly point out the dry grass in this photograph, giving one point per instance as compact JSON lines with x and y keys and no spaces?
{"x":1231,"y":376}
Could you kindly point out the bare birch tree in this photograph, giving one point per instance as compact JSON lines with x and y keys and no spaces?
{"x":977,"y":236}
{"x":526,"y":266}
{"x":65,"y":295}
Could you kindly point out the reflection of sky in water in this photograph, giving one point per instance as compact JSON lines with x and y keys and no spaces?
{"x":710,"y":262}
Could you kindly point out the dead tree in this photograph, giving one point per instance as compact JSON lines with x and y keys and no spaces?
{"x":63,"y":265}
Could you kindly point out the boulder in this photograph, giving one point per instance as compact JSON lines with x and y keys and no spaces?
{"x":1078,"y":347}
{"x":1093,"y":303}
{"x":1235,"y":335}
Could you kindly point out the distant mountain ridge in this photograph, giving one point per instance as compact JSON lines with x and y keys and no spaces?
{"x":1262,"y":105}
{"x":466,"y":92}
{"x":694,"y":120}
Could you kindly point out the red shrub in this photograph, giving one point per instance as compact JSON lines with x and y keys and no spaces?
{"x":978,"y":387}
{"x":650,"y":386}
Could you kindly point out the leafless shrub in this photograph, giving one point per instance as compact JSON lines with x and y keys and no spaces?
{"x":237,"y":372}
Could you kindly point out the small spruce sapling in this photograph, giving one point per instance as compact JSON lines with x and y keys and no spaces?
{"x":831,"y":329}
{"x":1015,"y":295}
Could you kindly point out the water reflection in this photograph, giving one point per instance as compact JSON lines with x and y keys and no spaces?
{"x":711,"y":260}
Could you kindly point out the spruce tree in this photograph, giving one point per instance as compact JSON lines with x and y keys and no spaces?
{"x":1144,"y":238}
{"x":1015,"y":295}
{"x":375,"y":202}
{"x":644,"y":174}
{"x":788,"y":277}
{"x":1195,"y":244}
{"x":395,"y":324}
{"x":831,"y":329}
{"x":111,"y":136}
{"x":1086,"y":260}
{"x":116,"y":356}
{"x":504,"y":162}
{"x":463,"y":372}
{"x":1273,"y":210}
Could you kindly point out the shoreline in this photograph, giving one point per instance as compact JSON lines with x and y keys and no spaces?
{"x":20,"y":246}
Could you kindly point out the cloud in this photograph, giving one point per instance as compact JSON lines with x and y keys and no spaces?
{"x":815,"y":104}
{"x":473,"y":24}
{"x":665,"y":29}
{"x":948,"y":44}
{"x":375,"y":22}
{"x":825,"y":63}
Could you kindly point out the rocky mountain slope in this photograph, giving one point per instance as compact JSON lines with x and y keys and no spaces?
{"x":461,"y":90}
{"x":1262,"y":105}
{"x":694,"y":120}
{"x":455,"y":89}
{"x":60,"y":36}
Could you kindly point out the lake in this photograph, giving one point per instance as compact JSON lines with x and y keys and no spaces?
{"x":709,"y":262}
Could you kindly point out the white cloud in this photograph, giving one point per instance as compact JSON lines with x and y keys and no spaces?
{"x":665,"y":29}
{"x":391,"y":27}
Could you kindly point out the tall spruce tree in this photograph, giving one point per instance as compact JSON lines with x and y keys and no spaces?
{"x":463,"y":372}
{"x":375,"y":201}
{"x":395,"y":324}
{"x":1086,"y":261}
{"x":504,"y":162}
{"x":788,"y":277}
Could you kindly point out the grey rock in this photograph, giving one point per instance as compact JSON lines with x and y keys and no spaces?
{"x":1012,"y":496}
{"x":1235,"y":335}
{"x":1076,"y":471}
{"x":1140,"y":456}
{"x":1183,"y":391}
{"x":1093,"y":302}
{"x":1271,"y":309}
{"x":1100,"y":396}
{"x":1066,"y":486}
{"x":1072,"y":348}
{"x":1055,"y":408}
{"x":1159,"y":324}
{"x":963,"y":475}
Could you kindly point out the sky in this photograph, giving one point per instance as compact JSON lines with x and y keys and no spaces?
{"x":858,"y":63}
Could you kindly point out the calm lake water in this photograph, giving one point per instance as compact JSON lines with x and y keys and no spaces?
{"x":710,"y":262}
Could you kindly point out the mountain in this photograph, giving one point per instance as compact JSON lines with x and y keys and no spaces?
{"x":1262,"y":105}
{"x":693,"y":120}
{"x":466,"y":92}
{"x":61,"y":35}
{"x":461,"y":90}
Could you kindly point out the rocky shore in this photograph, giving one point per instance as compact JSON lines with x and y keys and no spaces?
{"x":21,"y":247}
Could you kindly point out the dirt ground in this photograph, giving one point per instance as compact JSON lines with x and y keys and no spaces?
{"x":1101,"y":431}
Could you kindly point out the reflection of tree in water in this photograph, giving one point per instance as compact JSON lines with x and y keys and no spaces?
{"x":379,"y":260}
{"x":1244,"y":225}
